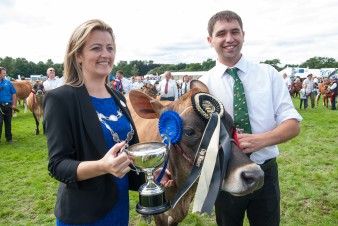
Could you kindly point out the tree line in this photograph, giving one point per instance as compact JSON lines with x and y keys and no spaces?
{"x":25,"y":68}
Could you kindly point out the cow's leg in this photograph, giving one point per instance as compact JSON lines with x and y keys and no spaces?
{"x":25,"y":105}
{"x":318,"y":98}
{"x":37,"y":132}
{"x":164,"y":220}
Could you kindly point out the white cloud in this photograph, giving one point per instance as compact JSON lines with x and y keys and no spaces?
{"x":171,"y":31}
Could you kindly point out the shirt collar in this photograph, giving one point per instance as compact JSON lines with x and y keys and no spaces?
{"x":242,"y":66}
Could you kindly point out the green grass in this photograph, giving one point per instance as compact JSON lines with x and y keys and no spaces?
{"x":307,"y":171}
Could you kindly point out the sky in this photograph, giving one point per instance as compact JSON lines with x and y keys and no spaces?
{"x":171,"y":32}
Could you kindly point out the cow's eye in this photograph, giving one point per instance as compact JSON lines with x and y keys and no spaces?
{"x":189,"y":132}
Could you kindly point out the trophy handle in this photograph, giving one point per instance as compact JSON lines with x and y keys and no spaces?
{"x":166,"y":140}
{"x":131,"y":165}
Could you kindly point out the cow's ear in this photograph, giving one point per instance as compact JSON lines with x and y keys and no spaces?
{"x":200,"y":85}
{"x":144,"y":105}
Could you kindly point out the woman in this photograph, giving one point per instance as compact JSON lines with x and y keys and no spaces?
{"x":86,"y":124}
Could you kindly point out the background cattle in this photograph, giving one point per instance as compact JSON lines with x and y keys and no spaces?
{"x":23,"y":89}
{"x":242,"y":177}
{"x":35,"y":101}
{"x":324,"y":90}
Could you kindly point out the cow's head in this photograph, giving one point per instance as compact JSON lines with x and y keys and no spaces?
{"x":38,"y":88}
{"x":242,"y":177}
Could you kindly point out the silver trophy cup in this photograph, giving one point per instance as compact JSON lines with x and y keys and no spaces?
{"x":147,"y":157}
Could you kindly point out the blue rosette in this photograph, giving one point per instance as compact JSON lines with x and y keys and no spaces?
{"x":171,"y":124}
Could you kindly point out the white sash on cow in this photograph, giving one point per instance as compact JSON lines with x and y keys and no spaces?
{"x":207,"y":170}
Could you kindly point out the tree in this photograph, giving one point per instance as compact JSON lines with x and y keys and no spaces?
{"x":274,"y":63}
{"x":207,"y":65}
{"x":320,"y":62}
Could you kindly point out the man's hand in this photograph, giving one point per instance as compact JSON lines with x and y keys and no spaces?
{"x":15,"y":109}
{"x":166,"y":180}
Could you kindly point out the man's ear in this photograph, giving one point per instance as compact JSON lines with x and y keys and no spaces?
{"x":209,"y":39}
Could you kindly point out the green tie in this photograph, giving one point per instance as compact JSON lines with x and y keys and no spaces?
{"x":241,"y":115}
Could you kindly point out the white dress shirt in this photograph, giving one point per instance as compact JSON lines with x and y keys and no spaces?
{"x":268,"y":99}
{"x":288,"y":83}
{"x":185,"y":84}
{"x":172,"y":88}
{"x":309,"y":85}
{"x":126,"y":84}
{"x":50,"y":84}
{"x":137,"y":85}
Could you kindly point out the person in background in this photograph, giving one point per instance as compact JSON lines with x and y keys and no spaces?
{"x":168,"y":88}
{"x":86,"y":125}
{"x":271,"y":119}
{"x":138,"y":84}
{"x":52,"y":81}
{"x":303,"y":97}
{"x":334,"y":93}
{"x":185,"y":85}
{"x":287,"y":81}
{"x":315,"y":86}
{"x":7,"y":105}
{"x":120,"y":83}
{"x":309,"y":89}
{"x":60,"y":80}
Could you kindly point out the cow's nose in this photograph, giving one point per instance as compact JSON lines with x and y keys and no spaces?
{"x":253,"y":178}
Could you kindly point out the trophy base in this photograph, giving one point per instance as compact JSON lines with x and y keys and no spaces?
{"x":152,"y":210}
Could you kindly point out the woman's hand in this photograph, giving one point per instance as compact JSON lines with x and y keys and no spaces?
{"x":115,"y":162}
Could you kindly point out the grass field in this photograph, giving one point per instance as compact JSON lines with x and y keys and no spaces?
{"x":307,"y":171}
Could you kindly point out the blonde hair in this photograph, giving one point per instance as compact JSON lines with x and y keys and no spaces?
{"x":73,"y":75}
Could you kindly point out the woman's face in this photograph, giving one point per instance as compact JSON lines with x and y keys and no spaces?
{"x":98,"y":55}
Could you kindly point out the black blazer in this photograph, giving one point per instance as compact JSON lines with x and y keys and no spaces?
{"x":74,"y":134}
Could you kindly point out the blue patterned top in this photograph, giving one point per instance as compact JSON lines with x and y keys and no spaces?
{"x":119,"y":215}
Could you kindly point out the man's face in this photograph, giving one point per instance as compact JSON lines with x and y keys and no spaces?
{"x":51,"y":73}
{"x":119,"y":76}
{"x":3,"y":74}
{"x":167,"y":76}
{"x":227,"y":40}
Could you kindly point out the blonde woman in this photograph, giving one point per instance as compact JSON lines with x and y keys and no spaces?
{"x":86,"y":124}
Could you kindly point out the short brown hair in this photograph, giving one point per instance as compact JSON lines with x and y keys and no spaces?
{"x":225,"y":15}
{"x":120,"y":72}
{"x":2,"y":68}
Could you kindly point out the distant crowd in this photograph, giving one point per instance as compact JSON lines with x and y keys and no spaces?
{"x":313,"y":87}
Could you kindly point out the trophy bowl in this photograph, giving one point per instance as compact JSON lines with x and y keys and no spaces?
{"x":147,"y":157}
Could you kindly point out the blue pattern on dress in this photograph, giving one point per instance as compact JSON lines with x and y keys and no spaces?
{"x":119,"y":215}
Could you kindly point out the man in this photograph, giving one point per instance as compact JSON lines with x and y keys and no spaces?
{"x":185,"y":85}
{"x":334,"y":92}
{"x":7,"y":104}
{"x":309,"y":89}
{"x":272,"y":119}
{"x":120,"y":83}
{"x":287,"y":81}
{"x":52,"y":81}
{"x":138,"y":84}
{"x":168,"y":88}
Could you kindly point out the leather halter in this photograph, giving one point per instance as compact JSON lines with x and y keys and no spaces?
{"x":182,"y":153}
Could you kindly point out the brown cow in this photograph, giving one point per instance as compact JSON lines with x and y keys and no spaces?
{"x":296,"y":86}
{"x":324,"y":90}
{"x":35,"y":101}
{"x":242,"y":177}
{"x":23,"y":89}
